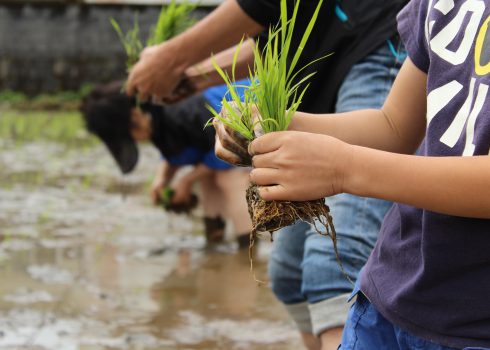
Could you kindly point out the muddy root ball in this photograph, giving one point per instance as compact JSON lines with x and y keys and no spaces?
{"x":274,"y":215}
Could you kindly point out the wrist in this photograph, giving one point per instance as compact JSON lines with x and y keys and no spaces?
{"x":359,"y":178}
{"x":351,"y":170}
{"x":199,"y":80}
{"x":175,"y":53}
{"x":188,"y":54}
{"x":297,"y":122}
{"x":185,"y":182}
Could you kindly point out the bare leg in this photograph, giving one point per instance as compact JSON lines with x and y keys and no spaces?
{"x":212,"y":196}
{"x":233,"y":184}
{"x":331,"y":338}
{"x":212,"y":203}
{"x":311,"y":342}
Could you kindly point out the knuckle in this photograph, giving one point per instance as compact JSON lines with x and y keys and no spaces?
{"x":226,"y":142}
{"x":220,"y":154}
{"x":252,"y":176}
{"x":264,"y":193}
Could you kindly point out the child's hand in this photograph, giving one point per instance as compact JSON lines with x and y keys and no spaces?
{"x":298,"y":166}
{"x":157,"y":72}
{"x":182,"y":193}
{"x":156,"y":189}
{"x":231,"y":146}
{"x":184,"y":89}
{"x":164,"y":174}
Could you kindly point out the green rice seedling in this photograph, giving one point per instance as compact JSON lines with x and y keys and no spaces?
{"x":239,"y":114}
{"x":130,"y":40}
{"x":173,"y":19}
{"x":274,"y":90}
{"x":276,"y":93}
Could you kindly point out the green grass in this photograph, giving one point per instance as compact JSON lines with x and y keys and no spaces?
{"x":274,"y":90}
{"x":12,"y":97}
{"x":63,"y":100}
{"x":57,"y":126}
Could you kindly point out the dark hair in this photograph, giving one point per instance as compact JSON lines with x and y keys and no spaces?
{"x":107,"y":114}
{"x":107,"y":110}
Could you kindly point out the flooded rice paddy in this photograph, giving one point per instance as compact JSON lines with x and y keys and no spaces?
{"x":87,"y":263}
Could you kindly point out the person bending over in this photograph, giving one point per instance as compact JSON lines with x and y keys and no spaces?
{"x":178,"y":132}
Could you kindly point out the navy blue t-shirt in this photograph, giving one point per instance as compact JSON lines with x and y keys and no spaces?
{"x":429,"y":273}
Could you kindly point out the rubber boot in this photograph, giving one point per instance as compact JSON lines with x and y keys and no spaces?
{"x":214,"y":229}
{"x":243,"y":240}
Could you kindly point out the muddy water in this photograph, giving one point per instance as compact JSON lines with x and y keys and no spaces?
{"x":87,"y":263}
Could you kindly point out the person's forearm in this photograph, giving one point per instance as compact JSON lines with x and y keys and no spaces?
{"x":398,"y":126}
{"x":204,"y":75}
{"x":449,"y":185}
{"x":168,"y":171}
{"x":221,"y":29}
{"x":197,"y":173}
{"x":369,"y":128}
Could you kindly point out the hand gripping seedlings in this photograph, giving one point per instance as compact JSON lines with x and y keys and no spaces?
{"x":275,"y":92}
{"x":166,"y":195}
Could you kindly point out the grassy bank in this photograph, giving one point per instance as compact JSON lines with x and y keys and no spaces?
{"x":56,"y":126}
{"x":65,"y":100}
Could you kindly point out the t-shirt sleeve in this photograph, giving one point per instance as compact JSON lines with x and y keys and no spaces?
{"x":265,"y":12}
{"x":411,"y":27}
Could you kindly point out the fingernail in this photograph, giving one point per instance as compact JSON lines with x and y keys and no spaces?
{"x":259,"y":190}
{"x":249,"y":149}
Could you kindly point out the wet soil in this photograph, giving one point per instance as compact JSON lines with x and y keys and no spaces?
{"x":87,"y":263}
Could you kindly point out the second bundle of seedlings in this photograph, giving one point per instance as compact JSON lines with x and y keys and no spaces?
{"x":172,"y":20}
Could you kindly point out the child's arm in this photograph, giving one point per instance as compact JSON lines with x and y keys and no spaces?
{"x":399,"y":126}
{"x":183,"y":186}
{"x":161,"y":67}
{"x":163,"y":176}
{"x":302,"y":165}
{"x":203,"y":75}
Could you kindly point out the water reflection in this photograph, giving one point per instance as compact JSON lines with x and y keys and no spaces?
{"x":87,"y":263}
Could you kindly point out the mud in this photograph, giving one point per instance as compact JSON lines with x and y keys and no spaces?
{"x":87,"y":263}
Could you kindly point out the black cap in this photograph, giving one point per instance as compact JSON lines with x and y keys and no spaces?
{"x":107,"y":114}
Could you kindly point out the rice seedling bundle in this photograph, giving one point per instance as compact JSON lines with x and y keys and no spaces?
{"x":276,"y":92}
{"x":172,"y":20}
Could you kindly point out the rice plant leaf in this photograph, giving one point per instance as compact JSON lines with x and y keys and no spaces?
{"x":274,"y":89}
{"x":130,"y":41}
{"x":305,"y":37}
{"x":172,"y":20}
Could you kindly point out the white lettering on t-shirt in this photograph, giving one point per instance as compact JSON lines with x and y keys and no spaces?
{"x":469,"y":148}
{"x":438,"y":98}
{"x":444,"y":6}
{"x":439,"y":43}
{"x":466,"y":115}
{"x":452,"y":134}
{"x":444,"y":46}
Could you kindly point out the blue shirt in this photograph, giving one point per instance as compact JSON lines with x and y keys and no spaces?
{"x":192,"y":155}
